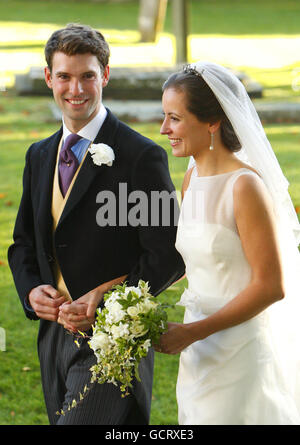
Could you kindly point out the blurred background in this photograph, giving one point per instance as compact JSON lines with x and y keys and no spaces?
{"x":257,"y":39}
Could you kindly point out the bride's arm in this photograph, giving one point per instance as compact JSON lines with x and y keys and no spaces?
{"x":256,"y":226}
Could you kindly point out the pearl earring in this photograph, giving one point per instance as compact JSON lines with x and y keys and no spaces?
{"x":211,"y":147}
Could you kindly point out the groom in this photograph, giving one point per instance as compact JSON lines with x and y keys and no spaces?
{"x":64,"y":257}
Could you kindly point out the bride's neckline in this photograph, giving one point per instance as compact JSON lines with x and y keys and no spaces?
{"x":219,"y":174}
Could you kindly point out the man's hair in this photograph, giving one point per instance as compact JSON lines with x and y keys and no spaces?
{"x":78,"y":39}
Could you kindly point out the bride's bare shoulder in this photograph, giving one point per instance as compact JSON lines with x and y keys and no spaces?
{"x":244,"y":165}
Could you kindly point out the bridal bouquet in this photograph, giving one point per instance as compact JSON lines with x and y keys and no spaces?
{"x":130,"y":322}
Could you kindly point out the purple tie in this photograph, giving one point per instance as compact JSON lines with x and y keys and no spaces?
{"x":68,"y":163}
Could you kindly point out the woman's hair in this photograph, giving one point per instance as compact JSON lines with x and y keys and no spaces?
{"x":78,"y":39}
{"x":201,"y":101}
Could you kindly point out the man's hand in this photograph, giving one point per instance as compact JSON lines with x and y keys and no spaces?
{"x":45,"y":301}
{"x":80,"y":314}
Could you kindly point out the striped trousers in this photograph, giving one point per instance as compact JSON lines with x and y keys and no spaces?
{"x":65,"y":370}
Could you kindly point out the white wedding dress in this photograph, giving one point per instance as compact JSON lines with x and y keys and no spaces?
{"x":234,"y":376}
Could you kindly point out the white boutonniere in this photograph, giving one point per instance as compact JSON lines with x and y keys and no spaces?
{"x":102,"y":154}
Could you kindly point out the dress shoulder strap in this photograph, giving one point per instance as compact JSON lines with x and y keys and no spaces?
{"x":241,"y":172}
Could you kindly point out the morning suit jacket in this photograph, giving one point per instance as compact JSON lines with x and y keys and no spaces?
{"x":88,"y":254}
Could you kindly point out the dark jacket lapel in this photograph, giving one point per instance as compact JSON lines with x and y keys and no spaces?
{"x":88,"y":169}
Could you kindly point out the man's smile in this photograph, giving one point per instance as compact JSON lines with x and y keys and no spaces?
{"x":76,"y":101}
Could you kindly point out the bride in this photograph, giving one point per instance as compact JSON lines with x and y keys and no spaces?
{"x":238,"y":235}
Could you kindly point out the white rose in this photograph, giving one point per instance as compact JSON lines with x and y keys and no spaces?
{"x":120,"y":330}
{"x":102,"y":154}
{"x":100,"y":340}
{"x":137,"y":329}
{"x":133,"y":311}
{"x":146,"y":305}
{"x":116,"y":313}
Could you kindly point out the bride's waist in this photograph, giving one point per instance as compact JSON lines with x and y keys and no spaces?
{"x":205,"y":303}
{"x":199,"y":306}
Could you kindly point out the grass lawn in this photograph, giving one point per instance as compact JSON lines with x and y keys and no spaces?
{"x":22,"y":121}
{"x":250,"y":25}
{"x":207,"y":17}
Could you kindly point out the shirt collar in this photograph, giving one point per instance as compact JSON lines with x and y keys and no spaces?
{"x":90,"y":130}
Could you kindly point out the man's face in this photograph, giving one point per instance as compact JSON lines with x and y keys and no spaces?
{"x":77,"y":84}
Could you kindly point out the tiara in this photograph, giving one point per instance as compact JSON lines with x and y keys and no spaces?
{"x":189,"y":69}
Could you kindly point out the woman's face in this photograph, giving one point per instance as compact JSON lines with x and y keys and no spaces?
{"x":187,"y":135}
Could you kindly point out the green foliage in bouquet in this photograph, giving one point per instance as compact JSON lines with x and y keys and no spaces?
{"x":130,"y":323}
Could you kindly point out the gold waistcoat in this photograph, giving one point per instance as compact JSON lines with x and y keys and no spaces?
{"x":58,"y":204}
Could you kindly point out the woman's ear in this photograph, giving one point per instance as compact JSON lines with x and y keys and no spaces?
{"x":214,"y":127}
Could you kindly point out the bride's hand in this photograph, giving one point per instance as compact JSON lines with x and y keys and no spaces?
{"x":176,"y":339}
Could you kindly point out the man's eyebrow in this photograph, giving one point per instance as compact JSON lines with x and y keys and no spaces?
{"x":65,"y":73}
{"x":59,"y":73}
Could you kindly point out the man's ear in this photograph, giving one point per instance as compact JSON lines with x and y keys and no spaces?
{"x":105,"y":76}
{"x":48,"y":77}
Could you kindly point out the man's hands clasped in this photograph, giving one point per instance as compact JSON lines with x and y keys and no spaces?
{"x":45,"y":300}
{"x":75,"y":316}
{"x":50,"y":305}
{"x":79,"y":315}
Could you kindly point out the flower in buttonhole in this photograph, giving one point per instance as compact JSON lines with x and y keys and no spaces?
{"x":102,"y":154}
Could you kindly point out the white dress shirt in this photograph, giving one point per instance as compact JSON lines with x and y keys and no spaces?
{"x":88,"y":133}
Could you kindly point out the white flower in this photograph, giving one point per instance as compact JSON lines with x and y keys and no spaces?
{"x":146,"y":305}
{"x":137,"y":329}
{"x":146,"y":345}
{"x":137,"y":290}
{"x":116,"y":313}
{"x":120,"y":330}
{"x":133,"y":311}
{"x":100,"y":340}
{"x":102,"y":154}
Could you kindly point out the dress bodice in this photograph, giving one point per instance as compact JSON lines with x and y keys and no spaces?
{"x":245,"y":374}
{"x":208,"y":240}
